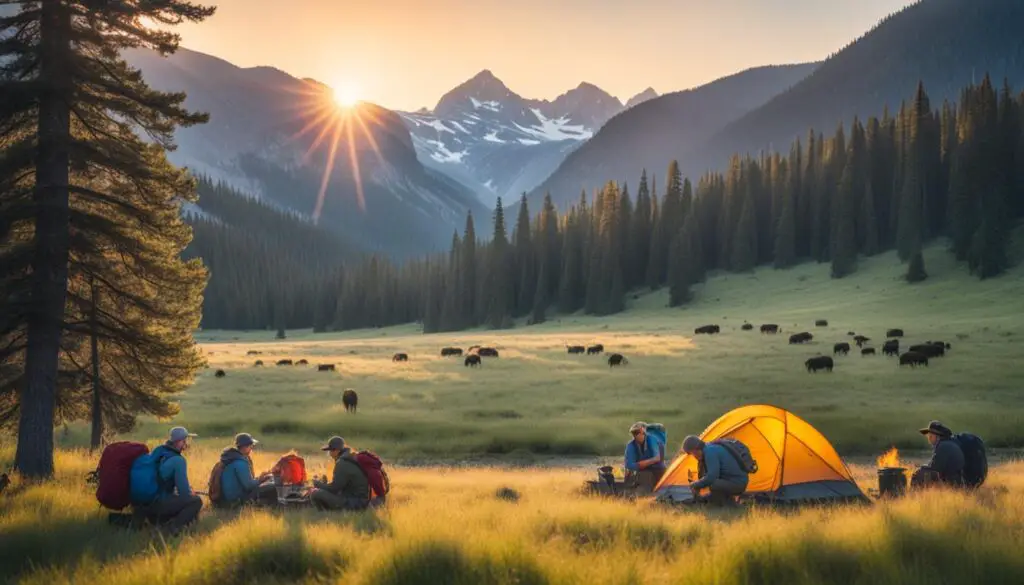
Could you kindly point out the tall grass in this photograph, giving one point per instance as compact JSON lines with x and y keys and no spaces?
{"x":446,"y":525}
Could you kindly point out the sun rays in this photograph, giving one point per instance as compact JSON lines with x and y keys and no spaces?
{"x":332,"y":120}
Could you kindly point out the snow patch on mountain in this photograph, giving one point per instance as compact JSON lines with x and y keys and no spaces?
{"x":492,"y":136}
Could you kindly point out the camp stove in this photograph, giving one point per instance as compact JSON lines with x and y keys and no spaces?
{"x":892,"y":482}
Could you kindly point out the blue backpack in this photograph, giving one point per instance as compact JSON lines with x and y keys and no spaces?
{"x":146,"y":484}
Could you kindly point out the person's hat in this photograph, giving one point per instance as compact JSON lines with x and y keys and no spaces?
{"x":180,"y":434}
{"x":937,"y":428}
{"x":244,"y":440}
{"x":335,"y":443}
{"x":637,"y":426}
{"x":691,"y":443}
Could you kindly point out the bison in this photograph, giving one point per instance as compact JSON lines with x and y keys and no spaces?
{"x":451,"y":351}
{"x":769,"y":328}
{"x":851,"y":333}
{"x":867,"y":351}
{"x":472,"y":361}
{"x":894,"y":333}
{"x":257,"y":363}
{"x":707,"y":330}
{"x":747,"y":327}
{"x":284,"y":362}
{"x":913,"y":359}
{"x":302,"y":363}
{"x":575,"y":349}
{"x":821,"y":323}
{"x":891,"y":347}
{"x":861,"y":340}
{"x":941,"y":344}
{"x":220,"y":373}
{"x":929,"y":349}
{"x":487,"y":352}
{"x":400,"y":357}
{"x":841,"y":348}
{"x":800,"y":338}
{"x":595,"y":349}
{"x":821,"y":362}
{"x":325,"y":368}
{"x":617,"y":359}
{"x":350,"y":399}
{"x":253,"y":352}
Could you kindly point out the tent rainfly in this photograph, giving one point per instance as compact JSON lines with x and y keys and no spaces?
{"x":795,"y":462}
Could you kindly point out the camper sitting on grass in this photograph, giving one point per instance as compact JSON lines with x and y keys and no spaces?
{"x":947,"y":463}
{"x":349,"y":489}
{"x":645,"y":456}
{"x":160,"y":488}
{"x":718,"y":470}
{"x":235,"y":473}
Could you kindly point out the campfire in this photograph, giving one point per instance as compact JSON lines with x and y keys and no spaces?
{"x":890,"y":459}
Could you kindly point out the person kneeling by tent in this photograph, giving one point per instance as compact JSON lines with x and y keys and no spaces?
{"x":232,"y":481}
{"x":349,"y":489}
{"x":719,"y":470}
{"x":645,"y":454}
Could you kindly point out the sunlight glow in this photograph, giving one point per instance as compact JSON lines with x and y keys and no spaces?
{"x":346,"y":94}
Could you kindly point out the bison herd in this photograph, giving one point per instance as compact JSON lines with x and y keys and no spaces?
{"x":916,"y":355}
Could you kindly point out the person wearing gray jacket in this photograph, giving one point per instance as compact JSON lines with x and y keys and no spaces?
{"x":721,"y":473}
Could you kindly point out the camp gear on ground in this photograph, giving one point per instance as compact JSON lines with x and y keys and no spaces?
{"x":244,"y":440}
{"x":740,"y":452}
{"x":795,"y":462}
{"x":114,"y":473}
{"x":334,"y":444}
{"x":290,"y":470}
{"x":180,"y":434}
{"x":148,"y":482}
{"x":975,"y":459}
{"x":892,"y":481}
{"x":719,"y":463}
{"x":937,"y":428}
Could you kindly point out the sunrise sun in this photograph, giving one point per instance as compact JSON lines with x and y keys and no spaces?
{"x":346,"y":94}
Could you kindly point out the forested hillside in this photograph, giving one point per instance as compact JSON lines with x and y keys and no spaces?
{"x":892,"y":182}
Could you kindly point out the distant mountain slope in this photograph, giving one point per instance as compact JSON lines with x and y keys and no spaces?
{"x":654,"y":132}
{"x":499,"y":143}
{"x":945,"y":43}
{"x":271,"y":135}
{"x":646,"y":95}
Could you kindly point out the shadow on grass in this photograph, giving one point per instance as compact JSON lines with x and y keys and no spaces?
{"x":596,"y":536}
{"x":430,"y":562}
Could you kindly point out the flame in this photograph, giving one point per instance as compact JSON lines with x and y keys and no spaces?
{"x":890,"y":458}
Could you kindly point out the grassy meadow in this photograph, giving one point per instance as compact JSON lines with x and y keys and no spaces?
{"x":554,"y":415}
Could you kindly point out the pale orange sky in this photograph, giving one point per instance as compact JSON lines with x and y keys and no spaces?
{"x":405,"y":54}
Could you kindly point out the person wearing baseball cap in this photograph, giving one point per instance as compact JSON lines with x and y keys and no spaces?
{"x":238,"y":484}
{"x":348,"y":489}
{"x":947,"y":463}
{"x":176,"y":506}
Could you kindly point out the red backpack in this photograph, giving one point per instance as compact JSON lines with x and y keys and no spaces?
{"x":373,"y":468}
{"x":114,"y":473}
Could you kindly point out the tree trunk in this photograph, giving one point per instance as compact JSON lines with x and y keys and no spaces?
{"x":97,"y":407}
{"x":34,"y":456}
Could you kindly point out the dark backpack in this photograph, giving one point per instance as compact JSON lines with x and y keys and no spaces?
{"x":975,"y":459}
{"x":214,"y":491}
{"x":373,"y":469}
{"x":740,"y":452}
{"x":114,"y":473}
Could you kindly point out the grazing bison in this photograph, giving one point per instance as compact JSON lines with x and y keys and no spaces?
{"x":821,"y":323}
{"x":617,"y":359}
{"x":851,"y":333}
{"x":472,"y":361}
{"x":913,"y":359}
{"x":891,"y":347}
{"x":595,"y":349}
{"x":284,"y":362}
{"x":400,"y":357}
{"x":747,"y":327}
{"x":822,"y":362}
{"x":769,"y":328}
{"x":575,"y":348}
{"x":253,"y":352}
{"x":325,"y":368}
{"x":257,"y":363}
{"x":867,"y":351}
{"x":220,"y":374}
{"x":800,"y":338}
{"x":894,"y":333}
{"x":941,"y":344}
{"x":929,"y":349}
{"x":451,"y":351}
{"x":707,"y":330}
{"x":302,"y":363}
{"x":861,"y":340}
{"x":487,"y":352}
{"x":841,"y":348}
{"x":350,"y":399}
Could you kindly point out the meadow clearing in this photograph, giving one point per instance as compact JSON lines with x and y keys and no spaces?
{"x":449,"y":522}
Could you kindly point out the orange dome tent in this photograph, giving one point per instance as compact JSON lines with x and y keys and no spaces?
{"x":795,"y":462}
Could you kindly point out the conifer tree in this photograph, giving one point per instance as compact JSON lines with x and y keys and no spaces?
{"x":869,"y":220}
{"x":498,"y":294}
{"x":911,"y":218}
{"x":570,"y":284}
{"x":744,"y":248}
{"x":785,"y":233}
{"x":468,"y":275}
{"x":640,"y":234}
{"x":657,"y":254}
{"x":525,"y":261}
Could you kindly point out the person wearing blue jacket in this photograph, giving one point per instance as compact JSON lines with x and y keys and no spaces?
{"x":176,"y":506}
{"x":238,"y":485}
{"x":721,"y":472}
{"x":645,"y":457}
